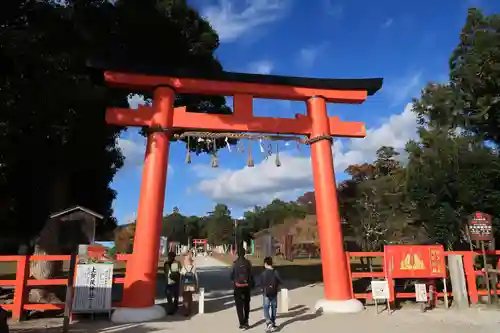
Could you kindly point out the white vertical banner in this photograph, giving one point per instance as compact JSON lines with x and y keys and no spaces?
{"x":93,"y":286}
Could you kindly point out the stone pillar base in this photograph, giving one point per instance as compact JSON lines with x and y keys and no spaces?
{"x":137,"y":315}
{"x":347,"y":306}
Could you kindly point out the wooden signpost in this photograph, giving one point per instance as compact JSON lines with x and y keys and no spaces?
{"x":380,"y":291}
{"x":480,"y":229}
{"x":414,"y":262}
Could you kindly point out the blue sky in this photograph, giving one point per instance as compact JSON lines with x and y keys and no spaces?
{"x":406,"y":43}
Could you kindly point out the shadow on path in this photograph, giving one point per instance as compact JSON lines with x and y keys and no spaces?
{"x":295,"y":313}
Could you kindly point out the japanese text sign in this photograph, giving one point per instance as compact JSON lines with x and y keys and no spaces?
{"x":480,"y":227}
{"x":414,"y":261}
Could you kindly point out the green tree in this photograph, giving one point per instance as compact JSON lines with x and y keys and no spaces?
{"x":453,"y":169}
{"x":449,"y":178}
{"x":220,"y":226}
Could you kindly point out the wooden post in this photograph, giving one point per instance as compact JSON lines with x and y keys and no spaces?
{"x":20,"y":291}
{"x":68,"y":304}
{"x":445,"y":289}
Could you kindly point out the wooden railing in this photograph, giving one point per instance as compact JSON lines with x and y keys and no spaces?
{"x":22,"y":281}
{"x":471,"y":275}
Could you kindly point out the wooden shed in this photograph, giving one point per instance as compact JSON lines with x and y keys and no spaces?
{"x":76,"y":223}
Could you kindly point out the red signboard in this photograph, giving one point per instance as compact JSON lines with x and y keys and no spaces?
{"x":414,"y":261}
{"x":480,"y":227}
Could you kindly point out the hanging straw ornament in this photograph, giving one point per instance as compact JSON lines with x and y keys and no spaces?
{"x":250,"y":162}
{"x":240,"y":148}
{"x":261,"y":146}
{"x":188,"y":153}
{"x":215,"y":160}
{"x":277,"y":161}
{"x":227,"y":144}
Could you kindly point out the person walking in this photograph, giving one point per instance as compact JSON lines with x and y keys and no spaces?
{"x":270,"y":281}
{"x":243,"y":282}
{"x":172,"y":270}
{"x":189,"y":278}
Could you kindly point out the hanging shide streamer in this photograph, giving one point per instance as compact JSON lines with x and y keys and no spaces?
{"x":240,"y":148}
{"x":261,"y":146}
{"x":210,"y":137}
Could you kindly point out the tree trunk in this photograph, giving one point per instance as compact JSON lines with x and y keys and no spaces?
{"x":47,"y":243}
{"x":42,"y":270}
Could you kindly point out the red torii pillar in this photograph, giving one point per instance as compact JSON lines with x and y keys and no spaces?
{"x":140,"y":279}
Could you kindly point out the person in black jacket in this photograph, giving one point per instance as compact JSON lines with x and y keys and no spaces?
{"x":270,"y":282}
{"x":243,"y":282}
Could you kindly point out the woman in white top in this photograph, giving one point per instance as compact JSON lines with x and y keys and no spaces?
{"x":189,"y":278}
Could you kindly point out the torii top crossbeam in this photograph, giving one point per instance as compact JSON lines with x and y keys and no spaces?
{"x":243,"y":87}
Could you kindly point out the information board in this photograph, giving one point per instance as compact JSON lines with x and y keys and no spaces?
{"x":380,"y":290}
{"x":93,"y":285}
{"x":414,"y":261}
{"x":480,"y":227}
{"x":421,"y":292}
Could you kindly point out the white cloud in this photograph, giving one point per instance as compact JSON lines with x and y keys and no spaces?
{"x":231,"y":21}
{"x":309,"y":55}
{"x":387,"y":23}
{"x":402,"y":90}
{"x":259,"y":185}
{"x":133,"y":149}
{"x":261,"y":67}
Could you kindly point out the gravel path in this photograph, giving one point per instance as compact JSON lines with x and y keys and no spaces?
{"x":220,"y":315}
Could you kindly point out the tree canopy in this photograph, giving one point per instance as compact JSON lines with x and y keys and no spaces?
{"x":57,"y":151}
{"x":55,"y":148}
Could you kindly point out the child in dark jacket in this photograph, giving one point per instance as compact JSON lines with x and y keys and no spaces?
{"x":270,"y":281}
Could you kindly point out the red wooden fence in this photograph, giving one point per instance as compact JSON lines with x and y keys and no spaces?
{"x":22,"y":280}
{"x":470,"y":275}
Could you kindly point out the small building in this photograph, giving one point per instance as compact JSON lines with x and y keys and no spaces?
{"x":77,"y":225}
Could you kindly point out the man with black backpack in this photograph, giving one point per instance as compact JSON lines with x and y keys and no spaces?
{"x":243,"y":282}
{"x":270,"y":281}
{"x":172,"y":269}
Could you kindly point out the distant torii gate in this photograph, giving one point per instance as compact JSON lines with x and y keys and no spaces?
{"x":161,"y":117}
{"x":197,"y":242}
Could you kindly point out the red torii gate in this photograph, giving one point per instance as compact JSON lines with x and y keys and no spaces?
{"x":161,"y":117}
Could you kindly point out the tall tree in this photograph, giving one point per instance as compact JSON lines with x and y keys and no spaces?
{"x":53,"y":114}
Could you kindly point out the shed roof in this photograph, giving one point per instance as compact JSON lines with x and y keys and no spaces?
{"x":75,"y":208}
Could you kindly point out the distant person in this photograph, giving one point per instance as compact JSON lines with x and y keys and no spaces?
{"x":270,"y":281}
{"x":172,"y":269}
{"x":189,"y":279}
{"x":243,"y":282}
